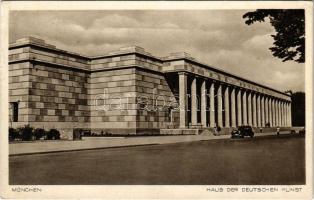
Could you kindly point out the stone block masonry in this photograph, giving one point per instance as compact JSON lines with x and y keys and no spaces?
{"x":130,"y":91}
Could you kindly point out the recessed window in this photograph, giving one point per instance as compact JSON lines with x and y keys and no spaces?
{"x":15,"y":111}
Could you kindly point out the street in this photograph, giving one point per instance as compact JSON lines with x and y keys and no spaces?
{"x":261,"y":160}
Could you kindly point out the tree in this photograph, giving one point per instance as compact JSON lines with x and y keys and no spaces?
{"x":298,"y":108}
{"x":289,"y":40}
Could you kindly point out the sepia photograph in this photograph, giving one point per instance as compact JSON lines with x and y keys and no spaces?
{"x":198,"y":96}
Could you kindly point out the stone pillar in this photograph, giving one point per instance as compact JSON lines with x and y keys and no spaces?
{"x":249,"y":107}
{"x":227,"y":114}
{"x":212,"y":105}
{"x":244,"y":103}
{"x":258,"y":101}
{"x":286,"y":114}
{"x":270,"y":105}
{"x":219,"y":111}
{"x":280,"y":113}
{"x":239,"y":106}
{"x":203,"y":103}
{"x":254,"y":110}
{"x":233,"y":108}
{"x":193,"y":102}
{"x":274,"y":113}
{"x":262,"y":111}
{"x":277,"y":112}
{"x":283,"y":114}
{"x":183,"y":99}
{"x":289,"y":114}
{"x":266,"y":110}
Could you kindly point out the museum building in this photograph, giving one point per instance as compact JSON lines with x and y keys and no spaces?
{"x":131,"y":91}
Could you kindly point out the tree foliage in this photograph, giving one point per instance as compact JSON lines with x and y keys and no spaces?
{"x":298,"y":108}
{"x":289,"y":24}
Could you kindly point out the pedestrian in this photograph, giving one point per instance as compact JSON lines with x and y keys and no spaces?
{"x":218,"y":130}
{"x":215,"y":131}
{"x":278,"y":130}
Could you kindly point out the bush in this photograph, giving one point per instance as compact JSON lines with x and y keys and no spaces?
{"x":53,"y":134}
{"x":26,"y":133}
{"x":13,"y":134}
{"x":87,"y":133}
{"x":39,"y":133}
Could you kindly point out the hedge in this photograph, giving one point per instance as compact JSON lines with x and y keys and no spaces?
{"x":28,"y":133}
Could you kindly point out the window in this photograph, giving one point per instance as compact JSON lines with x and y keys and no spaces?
{"x":15,"y":111}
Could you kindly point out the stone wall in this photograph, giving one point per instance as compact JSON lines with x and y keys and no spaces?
{"x":130,"y":99}
{"x":112,"y":101}
{"x":156,"y":99}
{"x":50,"y":86}
{"x":19,"y":85}
{"x":58,"y":97}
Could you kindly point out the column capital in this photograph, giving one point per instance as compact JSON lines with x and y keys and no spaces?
{"x":195,"y":75}
{"x":182,"y":73}
{"x":213,"y":80}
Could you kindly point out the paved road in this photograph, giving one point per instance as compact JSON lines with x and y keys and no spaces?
{"x":261,"y":160}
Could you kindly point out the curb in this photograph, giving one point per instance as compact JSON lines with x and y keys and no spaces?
{"x":135,"y":145}
{"x":87,"y":149}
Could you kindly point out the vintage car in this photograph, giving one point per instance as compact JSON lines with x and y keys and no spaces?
{"x":302,"y":131}
{"x":242,"y":131}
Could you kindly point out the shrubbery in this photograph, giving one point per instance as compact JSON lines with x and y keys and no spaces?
{"x":53,"y":134}
{"x":39,"y":133}
{"x":27,"y":133}
{"x":13,"y":134}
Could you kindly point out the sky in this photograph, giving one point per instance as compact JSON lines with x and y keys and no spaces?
{"x":219,"y":38}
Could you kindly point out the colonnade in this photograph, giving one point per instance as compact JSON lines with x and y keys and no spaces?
{"x":225,"y":105}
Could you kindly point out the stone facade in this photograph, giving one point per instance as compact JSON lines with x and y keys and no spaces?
{"x":131,"y":91}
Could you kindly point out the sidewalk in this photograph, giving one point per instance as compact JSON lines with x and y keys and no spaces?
{"x":100,"y":143}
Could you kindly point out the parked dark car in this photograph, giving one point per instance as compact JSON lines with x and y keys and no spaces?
{"x":242,"y":131}
{"x":302,"y":131}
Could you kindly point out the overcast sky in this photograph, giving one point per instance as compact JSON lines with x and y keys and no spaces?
{"x":219,"y":38}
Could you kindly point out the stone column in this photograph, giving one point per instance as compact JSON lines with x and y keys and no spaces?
{"x":203,"y":103}
{"x":283,"y":113}
{"x":239,"y":106}
{"x":277,"y":112}
{"x":249,"y":107}
{"x":227,"y":114}
{"x":270,"y":107}
{"x":244,"y":103}
{"x":258,"y":101}
{"x":219,"y":111}
{"x":262,"y":111}
{"x":286,"y":114}
{"x":183,"y":99}
{"x":233,"y":108}
{"x":212,"y":105}
{"x":254,"y":110}
{"x":193,"y":102}
{"x":280,"y":113}
{"x":289,"y":115}
{"x":274,"y":113}
{"x":267,"y":110}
